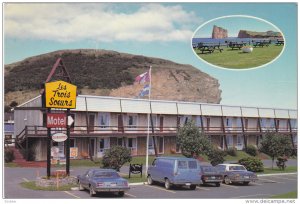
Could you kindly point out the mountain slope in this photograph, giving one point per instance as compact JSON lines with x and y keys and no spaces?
{"x":110,"y":73}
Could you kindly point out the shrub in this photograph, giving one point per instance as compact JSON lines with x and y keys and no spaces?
{"x":251,"y":150}
{"x":9,"y":155}
{"x":252,"y":164}
{"x":216,"y":156}
{"x":116,"y":157}
{"x":281,"y":162}
{"x":31,"y":154}
{"x":232,"y":151}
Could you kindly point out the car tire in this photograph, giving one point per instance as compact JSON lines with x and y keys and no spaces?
{"x":80,"y":186}
{"x":227,"y":180}
{"x":121,"y":193}
{"x":92,"y":192}
{"x":193,"y":187}
{"x":150,"y":180}
{"x":168,"y":184}
{"x":218,"y":184}
{"x":245,"y":183}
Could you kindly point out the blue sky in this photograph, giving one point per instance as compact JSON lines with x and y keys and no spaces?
{"x":233,"y":24}
{"x":162,"y":30}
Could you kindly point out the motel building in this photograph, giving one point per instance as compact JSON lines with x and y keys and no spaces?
{"x":102,"y":122}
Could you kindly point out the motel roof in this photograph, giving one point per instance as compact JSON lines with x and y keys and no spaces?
{"x":128,"y":105}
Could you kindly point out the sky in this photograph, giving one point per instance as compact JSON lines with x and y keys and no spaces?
{"x":233,"y":24}
{"x":162,"y":30}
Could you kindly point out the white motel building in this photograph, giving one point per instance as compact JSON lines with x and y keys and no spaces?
{"x":102,"y":122}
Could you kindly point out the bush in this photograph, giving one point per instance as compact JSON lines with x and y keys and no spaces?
{"x":216,"y":156}
{"x":252,"y":164}
{"x":31,"y":154}
{"x":251,"y":150}
{"x":116,"y":157}
{"x":232,"y":151}
{"x":9,"y":155}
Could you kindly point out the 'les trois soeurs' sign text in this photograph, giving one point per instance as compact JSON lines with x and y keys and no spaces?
{"x":60,"y":94}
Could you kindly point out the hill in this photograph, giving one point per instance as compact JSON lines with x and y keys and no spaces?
{"x":110,"y":73}
{"x":254,"y":34}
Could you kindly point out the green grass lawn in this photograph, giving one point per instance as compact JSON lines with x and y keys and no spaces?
{"x":288,"y":195}
{"x":11,"y":164}
{"x":240,"y":155}
{"x":275,"y":170}
{"x":236,"y":59}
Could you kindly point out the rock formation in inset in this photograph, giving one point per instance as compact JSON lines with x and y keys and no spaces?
{"x":219,"y":33}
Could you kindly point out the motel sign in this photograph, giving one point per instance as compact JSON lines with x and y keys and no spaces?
{"x":56,"y":120}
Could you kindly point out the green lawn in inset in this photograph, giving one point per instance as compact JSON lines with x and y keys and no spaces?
{"x":236,"y":59}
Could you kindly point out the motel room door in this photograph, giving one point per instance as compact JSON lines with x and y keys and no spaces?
{"x":91,"y":122}
{"x":92,"y":146}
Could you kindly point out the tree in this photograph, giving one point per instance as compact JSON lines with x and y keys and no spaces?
{"x":216,"y":156}
{"x":191,"y":141}
{"x":116,"y":157}
{"x":276,"y":145}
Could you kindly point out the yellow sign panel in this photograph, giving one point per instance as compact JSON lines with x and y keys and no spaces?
{"x":73,"y":152}
{"x":60,"y":94}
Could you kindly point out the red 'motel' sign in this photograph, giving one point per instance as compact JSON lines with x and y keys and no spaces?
{"x":56,"y":120}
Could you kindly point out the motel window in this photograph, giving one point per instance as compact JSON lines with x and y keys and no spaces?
{"x":184,"y":119}
{"x":131,"y":143}
{"x":229,"y":140}
{"x":120,"y":141}
{"x":104,"y":120}
{"x":272,"y":123}
{"x":132,"y":121}
{"x":263,"y":122}
{"x":239,"y":122}
{"x":198,"y":121}
{"x":104,"y":144}
{"x":294,"y":124}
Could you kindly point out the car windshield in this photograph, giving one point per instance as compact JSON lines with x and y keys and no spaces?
{"x":106,"y":175}
{"x":208,"y":169}
{"x":237,"y":168}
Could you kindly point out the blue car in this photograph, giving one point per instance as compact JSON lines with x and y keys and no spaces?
{"x":102,"y":180}
{"x":175,"y":171}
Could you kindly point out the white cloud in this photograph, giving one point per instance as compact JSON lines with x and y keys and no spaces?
{"x":100,"y":22}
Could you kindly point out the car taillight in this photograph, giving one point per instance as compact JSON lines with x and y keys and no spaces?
{"x":125,"y":183}
{"x":100,"y":184}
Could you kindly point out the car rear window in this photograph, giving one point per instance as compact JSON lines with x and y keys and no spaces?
{"x":187,"y":164}
{"x":106,"y":175}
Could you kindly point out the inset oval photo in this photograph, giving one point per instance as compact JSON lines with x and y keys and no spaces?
{"x":238,"y":42}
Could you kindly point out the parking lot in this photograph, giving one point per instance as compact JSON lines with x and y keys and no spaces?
{"x":265,"y":187}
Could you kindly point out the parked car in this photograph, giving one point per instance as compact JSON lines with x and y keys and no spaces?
{"x":211,"y":175}
{"x":236,"y":173}
{"x":102,"y":180}
{"x":175,"y":171}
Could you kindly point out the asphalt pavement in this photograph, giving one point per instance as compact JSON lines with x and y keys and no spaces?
{"x":265,"y":187}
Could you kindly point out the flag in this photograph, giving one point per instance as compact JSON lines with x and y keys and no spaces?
{"x":145,"y":91}
{"x":142,"y":78}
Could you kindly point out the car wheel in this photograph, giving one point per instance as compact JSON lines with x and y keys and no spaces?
{"x":227,"y":180}
{"x":246,"y":183}
{"x":192,"y":187}
{"x":218,"y":184}
{"x":167,"y":184}
{"x":121,"y":193}
{"x":92,"y":192}
{"x":150,"y":180}
{"x":80,"y":186}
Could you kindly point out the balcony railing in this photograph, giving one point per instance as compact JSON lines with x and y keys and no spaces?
{"x":100,"y":130}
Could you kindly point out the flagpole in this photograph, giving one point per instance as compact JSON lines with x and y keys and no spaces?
{"x":148,"y":132}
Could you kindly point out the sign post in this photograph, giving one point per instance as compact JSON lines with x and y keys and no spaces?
{"x":62,"y":95}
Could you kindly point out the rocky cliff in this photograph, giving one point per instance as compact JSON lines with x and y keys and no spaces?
{"x":219,"y":33}
{"x":254,"y":34}
{"x":110,"y":73}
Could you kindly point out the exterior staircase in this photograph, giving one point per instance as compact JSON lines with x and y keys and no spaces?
{"x":21,"y":162}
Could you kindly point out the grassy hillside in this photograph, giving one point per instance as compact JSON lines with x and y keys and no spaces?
{"x":109,"y":73}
